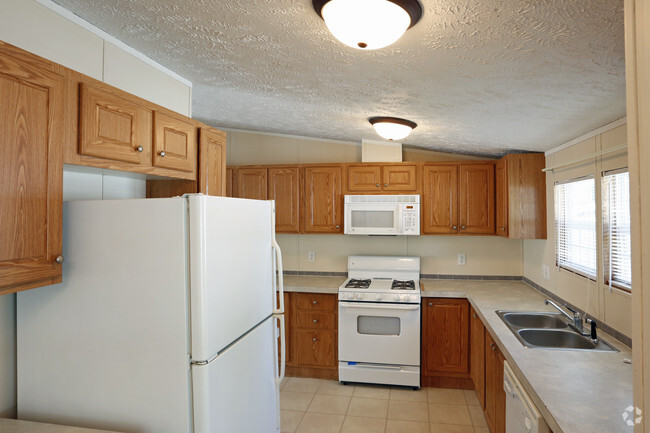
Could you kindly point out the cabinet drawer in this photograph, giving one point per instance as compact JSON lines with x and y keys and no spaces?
{"x":315,"y":302}
{"x":316,"y":348}
{"x":307,"y":319}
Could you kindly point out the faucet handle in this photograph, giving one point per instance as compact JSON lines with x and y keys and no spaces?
{"x":575,"y":313}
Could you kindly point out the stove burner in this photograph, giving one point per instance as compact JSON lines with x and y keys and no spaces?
{"x":357,"y":284}
{"x":403,"y":285}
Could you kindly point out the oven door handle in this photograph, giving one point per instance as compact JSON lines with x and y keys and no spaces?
{"x":375,"y":306}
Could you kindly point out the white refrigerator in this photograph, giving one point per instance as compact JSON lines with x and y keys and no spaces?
{"x":167,"y":320}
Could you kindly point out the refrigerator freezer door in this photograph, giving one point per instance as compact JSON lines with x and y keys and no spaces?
{"x":231,"y":260}
{"x":236,"y":392}
{"x":109,"y":347}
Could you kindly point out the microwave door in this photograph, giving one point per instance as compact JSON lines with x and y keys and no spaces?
{"x":383,"y":219}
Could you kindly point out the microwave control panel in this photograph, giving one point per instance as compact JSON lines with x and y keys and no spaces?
{"x":411,"y":219}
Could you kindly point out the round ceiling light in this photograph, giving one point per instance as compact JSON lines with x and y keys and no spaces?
{"x":368,"y":24}
{"x":392,"y":128}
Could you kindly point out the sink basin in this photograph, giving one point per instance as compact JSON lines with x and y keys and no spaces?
{"x":548,"y":330}
{"x":535,"y":320}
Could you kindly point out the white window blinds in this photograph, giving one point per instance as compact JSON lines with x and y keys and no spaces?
{"x":616,"y":230}
{"x":575,"y":226}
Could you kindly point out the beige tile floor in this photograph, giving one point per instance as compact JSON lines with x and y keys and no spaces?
{"x":326,"y":406}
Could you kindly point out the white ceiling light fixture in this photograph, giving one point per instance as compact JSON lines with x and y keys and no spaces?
{"x":392,"y":128}
{"x":368,"y":24}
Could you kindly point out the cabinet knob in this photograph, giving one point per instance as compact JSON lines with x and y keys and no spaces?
{"x":430,"y":304}
{"x":140,"y":149}
{"x":338,"y":227}
{"x":503,"y":229}
{"x":315,"y":321}
{"x":385,"y":185}
{"x":59,"y":259}
{"x":455,"y":227}
{"x":162,"y":153}
{"x":314,"y":302}
{"x":474,"y":315}
{"x":313,"y":339}
{"x":462,"y":227}
{"x":377,"y":185}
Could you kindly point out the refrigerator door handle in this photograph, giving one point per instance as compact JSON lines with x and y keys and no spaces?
{"x":278,"y":270}
{"x":282,"y":361}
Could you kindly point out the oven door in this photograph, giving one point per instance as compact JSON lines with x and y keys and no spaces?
{"x":379,"y":333}
{"x":372,"y":219}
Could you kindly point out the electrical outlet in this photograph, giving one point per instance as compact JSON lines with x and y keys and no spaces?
{"x":461,"y":259}
{"x":311,"y":256}
{"x":546,"y":272}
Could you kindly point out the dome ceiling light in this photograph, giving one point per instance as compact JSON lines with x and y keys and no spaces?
{"x":368,"y":24}
{"x":392,"y":128}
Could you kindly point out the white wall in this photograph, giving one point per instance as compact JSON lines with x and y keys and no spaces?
{"x":486,"y":255}
{"x":612,"y":307}
{"x":45,"y":29}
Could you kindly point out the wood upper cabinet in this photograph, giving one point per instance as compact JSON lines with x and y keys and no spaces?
{"x":212,"y":161}
{"x":382,"y":177}
{"x":521,"y":196}
{"x":251,"y":183}
{"x":477,"y":354}
{"x":476,"y":198}
{"x":495,"y":396}
{"x":284,"y":188}
{"x":440,"y":199}
{"x":445,"y":337}
{"x":323,"y":200}
{"x":31,"y":169}
{"x":229,"y":182}
{"x":174,"y":142}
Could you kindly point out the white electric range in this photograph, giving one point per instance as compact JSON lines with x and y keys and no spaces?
{"x":379,"y":321}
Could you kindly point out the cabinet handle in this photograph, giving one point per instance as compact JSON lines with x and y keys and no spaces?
{"x":454,"y":227}
{"x":162,"y":153}
{"x":59,"y":259}
{"x":313,"y":339}
{"x":314,"y":302}
{"x":315,"y":321}
{"x":140,"y":149}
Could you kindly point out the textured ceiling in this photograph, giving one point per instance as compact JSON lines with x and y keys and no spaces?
{"x":479,"y":77}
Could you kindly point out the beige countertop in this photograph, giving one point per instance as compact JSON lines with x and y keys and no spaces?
{"x":575,"y":391}
{"x":17,"y":426}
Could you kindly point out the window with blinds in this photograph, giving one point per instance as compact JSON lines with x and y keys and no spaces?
{"x":575,"y":226}
{"x":617,"y":250}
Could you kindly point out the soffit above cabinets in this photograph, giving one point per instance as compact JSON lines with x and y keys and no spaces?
{"x":482,"y":77}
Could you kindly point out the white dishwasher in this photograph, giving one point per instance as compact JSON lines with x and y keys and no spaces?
{"x":521,"y":414}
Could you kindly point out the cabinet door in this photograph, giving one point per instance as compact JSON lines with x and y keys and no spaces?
{"x":445,"y":333}
{"x":364,"y":178}
{"x":315,"y":348}
{"x":113,"y":127}
{"x":399,"y":177}
{"x":440,"y":199}
{"x":251,"y":183}
{"x":323,"y":200}
{"x":495,"y":396}
{"x":174,"y":143}
{"x":284,"y":188}
{"x":212,"y":162}
{"x":476,"y":198}
{"x":477,"y":354}
{"x":31,"y":170}
{"x":501,"y":182}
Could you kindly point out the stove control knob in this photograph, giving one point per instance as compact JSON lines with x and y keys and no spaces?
{"x":379,"y":297}
{"x":358,"y":296}
{"x":407,"y":298}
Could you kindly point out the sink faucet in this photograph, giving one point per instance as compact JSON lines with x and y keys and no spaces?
{"x":576,"y":318}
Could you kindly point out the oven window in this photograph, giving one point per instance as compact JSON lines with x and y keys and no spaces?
{"x":378,"y":325}
{"x":372,"y":219}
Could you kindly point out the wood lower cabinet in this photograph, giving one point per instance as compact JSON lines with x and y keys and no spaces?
{"x":314,"y":337}
{"x":365,"y":178}
{"x":495,"y":396}
{"x":284,"y":188}
{"x":521,"y":196}
{"x":323,"y":199}
{"x":445,"y":343}
{"x":477,"y":354}
{"x":31,"y":169}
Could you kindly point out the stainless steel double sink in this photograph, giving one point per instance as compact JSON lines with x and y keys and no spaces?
{"x":548,"y":330}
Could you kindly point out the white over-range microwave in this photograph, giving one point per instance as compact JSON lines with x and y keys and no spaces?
{"x":382,"y":214}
